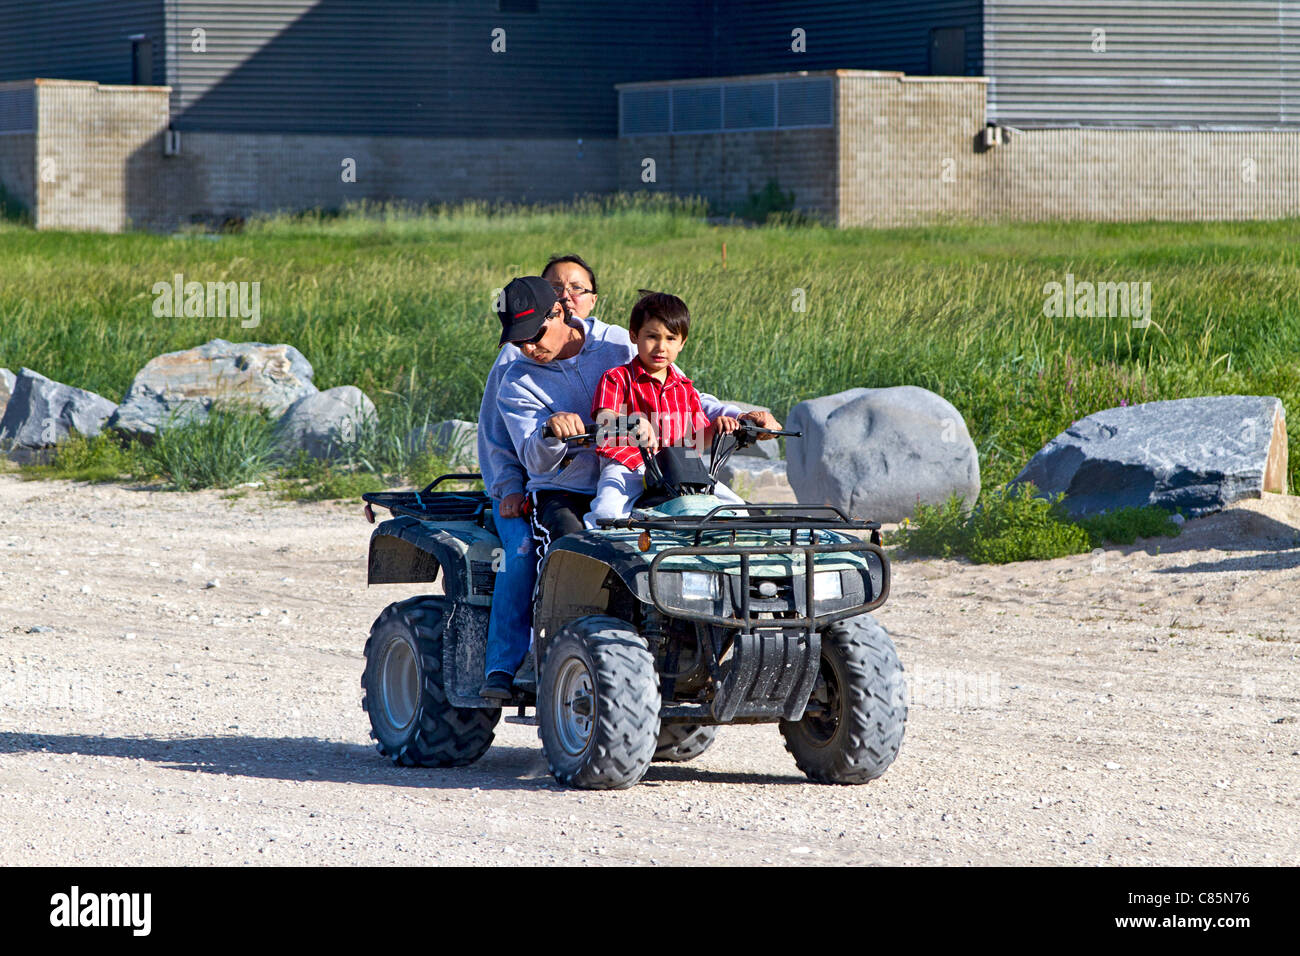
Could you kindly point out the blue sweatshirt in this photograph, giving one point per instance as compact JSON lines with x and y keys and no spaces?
{"x":497,"y":462}
{"x":531,"y":392}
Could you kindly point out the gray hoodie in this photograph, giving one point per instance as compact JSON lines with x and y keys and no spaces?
{"x":531,"y":392}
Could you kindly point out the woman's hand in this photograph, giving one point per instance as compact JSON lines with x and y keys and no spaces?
{"x":512,"y":506}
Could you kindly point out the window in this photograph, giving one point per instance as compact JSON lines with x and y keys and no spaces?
{"x":141,"y":61}
{"x":948,"y":51}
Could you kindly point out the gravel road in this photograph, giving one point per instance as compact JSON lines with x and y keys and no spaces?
{"x":179,"y":684}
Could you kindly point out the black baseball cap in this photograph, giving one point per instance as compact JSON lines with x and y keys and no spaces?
{"x":526,"y":304}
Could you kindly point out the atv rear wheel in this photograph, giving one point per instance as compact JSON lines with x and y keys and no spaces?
{"x":410,"y":715}
{"x":598,"y":704}
{"x":681,"y":742}
{"x":855,"y":719}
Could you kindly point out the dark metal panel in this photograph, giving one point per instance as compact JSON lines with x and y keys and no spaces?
{"x":757,"y":37}
{"x":424,"y":67}
{"x":1119,"y":62}
{"x":77,"y":39}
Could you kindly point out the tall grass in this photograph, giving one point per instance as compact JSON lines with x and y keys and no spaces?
{"x":399,"y":303}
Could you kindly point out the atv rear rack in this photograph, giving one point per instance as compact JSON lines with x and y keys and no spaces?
{"x":427,"y":504}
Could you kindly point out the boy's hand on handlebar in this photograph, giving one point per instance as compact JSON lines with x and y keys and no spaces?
{"x":566,"y":425}
{"x":512,"y":506}
{"x":725,"y":424}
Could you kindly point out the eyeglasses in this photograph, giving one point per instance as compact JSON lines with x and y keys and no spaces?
{"x":572,"y":288}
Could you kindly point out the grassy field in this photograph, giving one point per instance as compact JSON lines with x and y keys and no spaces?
{"x":399,"y":303}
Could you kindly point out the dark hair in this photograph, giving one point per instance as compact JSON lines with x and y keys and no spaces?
{"x":577,"y":261}
{"x":668,"y":309}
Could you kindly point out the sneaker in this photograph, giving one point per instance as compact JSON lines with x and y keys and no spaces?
{"x":497,"y":686}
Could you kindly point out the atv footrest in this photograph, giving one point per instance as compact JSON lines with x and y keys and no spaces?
{"x":772,"y":675}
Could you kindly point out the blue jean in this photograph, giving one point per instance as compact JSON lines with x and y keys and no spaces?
{"x":510,"y":626}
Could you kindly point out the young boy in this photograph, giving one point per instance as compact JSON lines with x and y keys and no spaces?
{"x":661,"y":405}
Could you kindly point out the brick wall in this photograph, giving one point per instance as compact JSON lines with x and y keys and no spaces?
{"x":726,"y":168}
{"x":222,"y":175}
{"x":99,"y":156}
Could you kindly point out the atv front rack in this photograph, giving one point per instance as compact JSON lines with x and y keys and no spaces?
{"x":795,"y":518}
{"x":744,"y":617}
{"x":427,"y":504}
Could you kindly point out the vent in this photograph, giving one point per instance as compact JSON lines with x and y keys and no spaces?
{"x":749,"y":105}
{"x":803,"y":103}
{"x":697,"y":109}
{"x":644,"y":112}
{"x":18,"y":111}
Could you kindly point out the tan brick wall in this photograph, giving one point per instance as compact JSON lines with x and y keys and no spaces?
{"x":99,"y":155}
{"x":236,"y":174}
{"x":726,"y":168}
{"x":907,"y":148}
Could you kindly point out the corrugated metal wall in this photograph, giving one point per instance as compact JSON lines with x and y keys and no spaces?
{"x":423,"y":67}
{"x":77,"y":39}
{"x":755,"y":37}
{"x":1172,"y":63}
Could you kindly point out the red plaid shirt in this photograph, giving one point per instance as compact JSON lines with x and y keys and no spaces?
{"x":672,"y":405}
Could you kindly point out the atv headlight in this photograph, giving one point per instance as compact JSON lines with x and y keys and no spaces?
{"x":697,"y":586}
{"x":826,"y":586}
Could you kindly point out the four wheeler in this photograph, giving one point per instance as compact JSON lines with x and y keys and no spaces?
{"x":649,"y":633}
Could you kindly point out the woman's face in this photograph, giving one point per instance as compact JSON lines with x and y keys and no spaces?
{"x":573,"y":286}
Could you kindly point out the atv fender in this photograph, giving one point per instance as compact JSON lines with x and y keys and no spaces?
{"x":405,"y":550}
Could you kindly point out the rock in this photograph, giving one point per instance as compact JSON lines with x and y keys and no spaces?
{"x":1195,"y":454}
{"x":771,"y":448}
{"x":7,"y":379}
{"x":454,"y":440}
{"x":324,"y":424}
{"x":182,"y":386}
{"x":758,"y":479}
{"x":41,"y":413}
{"x":875,"y":452}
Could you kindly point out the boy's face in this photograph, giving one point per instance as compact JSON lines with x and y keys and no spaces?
{"x":656,"y":346}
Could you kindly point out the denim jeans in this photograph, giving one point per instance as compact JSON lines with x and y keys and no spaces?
{"x":511,"y":623}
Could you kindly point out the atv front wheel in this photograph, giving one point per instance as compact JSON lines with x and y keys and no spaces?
{"x":854,"y":723}
{"x":681,"y":742}
{"x":598,"y":704}
{"x":410,"y":715}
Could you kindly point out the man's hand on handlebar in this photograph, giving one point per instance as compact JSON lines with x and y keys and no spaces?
{"x":566,"y":425}
{"x":763,"y":419}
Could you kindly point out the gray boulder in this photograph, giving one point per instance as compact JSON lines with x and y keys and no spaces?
{"x":758,"y":479}
{"x":769,"y":449}
{"x":7,"y":379}
{"x":454,"y":439}
{"x":875,"y":452}
{"x":182,"y":386}
{"x":1197,"y":454}
{"x":40,"y":413}
{"x":324,"y":424}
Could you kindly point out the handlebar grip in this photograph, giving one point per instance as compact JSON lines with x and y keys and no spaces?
{"x":590,"y":433}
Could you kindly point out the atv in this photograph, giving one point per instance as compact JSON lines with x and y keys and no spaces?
{"x":649,"y":633}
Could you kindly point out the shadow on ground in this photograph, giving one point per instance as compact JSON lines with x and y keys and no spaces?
{"x":312,"y":759}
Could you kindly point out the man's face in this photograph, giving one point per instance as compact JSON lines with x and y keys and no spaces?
{"x":555,"y":333}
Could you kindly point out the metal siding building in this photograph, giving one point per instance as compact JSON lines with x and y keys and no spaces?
{"x":78,"y":39}
{"x":1197,"y":63}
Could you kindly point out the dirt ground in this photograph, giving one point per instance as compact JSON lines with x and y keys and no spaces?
{"x":179,"y":684}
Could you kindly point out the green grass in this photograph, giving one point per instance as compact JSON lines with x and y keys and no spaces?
{"x":1011,"y":524}
{"x":399,"y":302}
